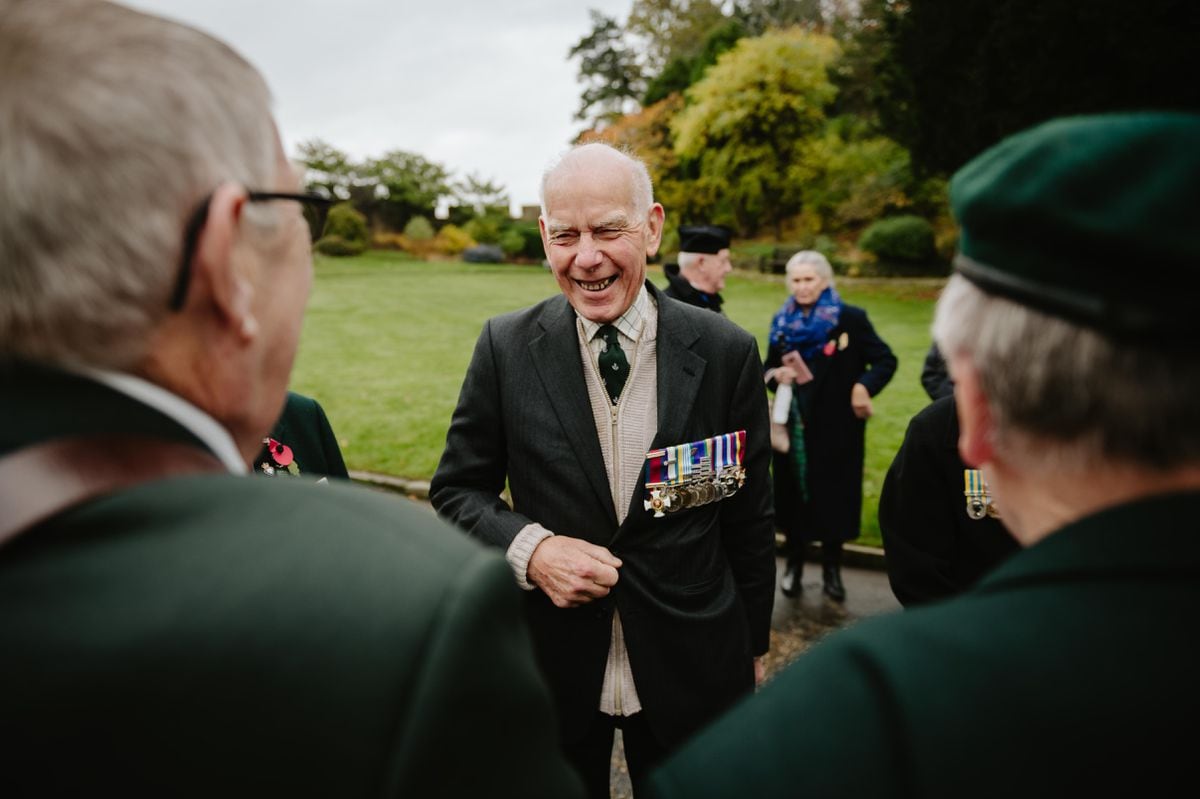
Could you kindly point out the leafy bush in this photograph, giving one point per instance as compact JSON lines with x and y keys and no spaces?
{"x":418,"y":229}
{"x":908,"y":239}
{"x":388,"y":241}
{"x":531,"y":240}
{"x":511,"y":242}
{"x":345,"y":232}
{"x":338,"y":246}
{"x":346,"y":222}
{"x":483,"y":254}
{"x":485,"y":229}
{"x":451,"y":240}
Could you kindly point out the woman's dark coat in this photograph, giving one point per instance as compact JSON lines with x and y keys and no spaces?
{"x":833,"y":435}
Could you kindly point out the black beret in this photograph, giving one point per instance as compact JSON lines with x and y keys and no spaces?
{"x":703,"y":238}
{"x":1093,"y":218}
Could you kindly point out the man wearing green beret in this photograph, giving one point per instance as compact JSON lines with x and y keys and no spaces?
{"x":170,"y":626}
{"x":699,"y":276}
{"x":1073,"y":339}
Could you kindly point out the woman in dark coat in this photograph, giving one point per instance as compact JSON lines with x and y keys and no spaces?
{"x":818,"y":482}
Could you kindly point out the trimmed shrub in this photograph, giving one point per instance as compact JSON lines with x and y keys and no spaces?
{"x":338,"y":246}
{"x":418,"y":229}
{"x":531,"y":240}
{"x":483,"y":254}
{"x":345,"y":232}
{"x":907,"y":239}
{"x":345,"y":222}
{"x":388,"y":241}
{"x":451,"y":240}
{"x":511,"y":242}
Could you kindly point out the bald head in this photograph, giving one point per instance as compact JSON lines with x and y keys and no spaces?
{"x":589,"y":159}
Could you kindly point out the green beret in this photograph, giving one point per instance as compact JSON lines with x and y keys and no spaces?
{"x":1092,"y":218}
{"x":709,"y":239}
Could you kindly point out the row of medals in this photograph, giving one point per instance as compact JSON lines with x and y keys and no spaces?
{"x":698,"y":491}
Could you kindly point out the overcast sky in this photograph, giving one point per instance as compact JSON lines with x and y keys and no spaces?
{"x":479,"y":86}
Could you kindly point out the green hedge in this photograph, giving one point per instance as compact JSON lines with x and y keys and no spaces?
{"x":907,"y":239}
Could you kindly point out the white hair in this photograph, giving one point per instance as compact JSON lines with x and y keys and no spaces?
{"x":114,"y":126}
{"x":687,"y":260}
{"x":641,"y":189}
{"x":1068,"y":394}
{"x":816,"y":260}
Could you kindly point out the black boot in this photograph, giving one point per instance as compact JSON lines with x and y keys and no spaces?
{"x":789,"y":584}
{"x":831,"y":571}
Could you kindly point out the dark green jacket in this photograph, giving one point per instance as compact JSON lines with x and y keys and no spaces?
{"x":1070,"y":670}
{"x":305,"y":430}
{"x":227,"y":636}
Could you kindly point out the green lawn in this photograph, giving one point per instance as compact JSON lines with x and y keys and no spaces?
{"x":386,"y":342}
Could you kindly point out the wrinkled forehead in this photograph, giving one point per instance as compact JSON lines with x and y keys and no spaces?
{"x":597,"y":180}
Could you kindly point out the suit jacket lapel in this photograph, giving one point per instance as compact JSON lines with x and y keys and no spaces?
{"x":680,"y":371}
{"x":556,"y":357}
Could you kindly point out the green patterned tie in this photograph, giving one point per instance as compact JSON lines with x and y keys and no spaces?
{"x":614,"y":368}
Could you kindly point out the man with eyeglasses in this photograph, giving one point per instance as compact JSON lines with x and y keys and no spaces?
{"x":168,"y":625}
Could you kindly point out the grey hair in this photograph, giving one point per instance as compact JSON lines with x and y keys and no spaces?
{"x":1061,"y":393}
{"x":641,"y":187}
{"x":687,"y":260}
{"x":816,"y":260}
{"x":114,"y":126}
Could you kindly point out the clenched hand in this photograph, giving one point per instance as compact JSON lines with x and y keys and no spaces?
{"x":860,"y":401}
{"x":571,"y":571}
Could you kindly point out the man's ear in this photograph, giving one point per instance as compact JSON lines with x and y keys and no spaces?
{"x":976,"y":428}
{"x":654,"y":219}
{"x":229,"y":291}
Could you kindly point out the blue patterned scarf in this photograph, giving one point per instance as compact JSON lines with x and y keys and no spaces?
{"x":792,"y":329}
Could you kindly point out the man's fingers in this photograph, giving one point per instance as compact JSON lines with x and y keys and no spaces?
{"x":605,"y":575}
{"x":603,"y":555}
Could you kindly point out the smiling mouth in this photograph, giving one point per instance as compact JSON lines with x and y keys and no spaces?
{"x":599,"y":285}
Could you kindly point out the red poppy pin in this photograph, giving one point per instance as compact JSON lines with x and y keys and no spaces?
{"x":280,"y":457}
{"x":830,"y":347}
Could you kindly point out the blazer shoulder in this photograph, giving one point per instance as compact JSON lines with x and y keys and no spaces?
{"x":506,"y":324}
{"x":710,"y":327}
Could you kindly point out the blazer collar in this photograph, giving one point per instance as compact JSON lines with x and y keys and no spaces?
{"x":680,"y":368}
{"x":680,"y":371}
{"x":555,"y":355}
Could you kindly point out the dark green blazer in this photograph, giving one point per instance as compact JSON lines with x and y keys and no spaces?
{"x":226,"y":636}
{"x":305,"y":429}
{"x":1070,"y":670}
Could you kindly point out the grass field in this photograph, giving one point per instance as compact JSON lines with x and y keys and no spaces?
{"x":387,"y":340}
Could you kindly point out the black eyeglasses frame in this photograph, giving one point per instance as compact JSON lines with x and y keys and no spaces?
{"x":315,"y":204}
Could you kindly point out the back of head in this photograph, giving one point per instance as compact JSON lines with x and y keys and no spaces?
{"x":114,"y":126}
{"x":1075,"y":298}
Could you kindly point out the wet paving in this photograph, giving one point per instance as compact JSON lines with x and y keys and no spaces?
{"x":795,"y":625}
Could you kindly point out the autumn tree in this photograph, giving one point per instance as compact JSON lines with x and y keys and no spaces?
{"x":742,"y":136}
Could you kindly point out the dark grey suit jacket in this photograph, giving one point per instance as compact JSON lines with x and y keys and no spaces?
{"x":696,"y":587}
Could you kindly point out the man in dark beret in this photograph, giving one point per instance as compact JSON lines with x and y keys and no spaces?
{"x":1073,"y":340}
{"x":703,"y":264}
